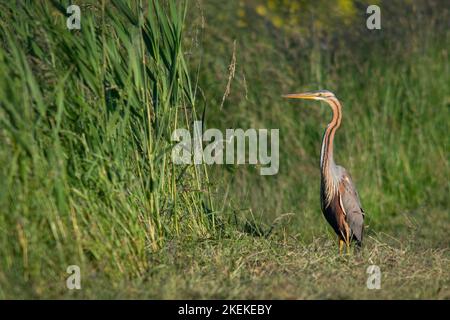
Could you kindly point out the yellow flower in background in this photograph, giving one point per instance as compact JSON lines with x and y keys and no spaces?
{"x":261,"y":10}
{"x":291,"y":13}
{"x":346,"y":7}
{"x":241,"y":23}
{"x":277,"y":21}
{"x":272,"y":4}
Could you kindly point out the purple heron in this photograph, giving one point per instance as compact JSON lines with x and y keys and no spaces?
{"x":338,"y":196}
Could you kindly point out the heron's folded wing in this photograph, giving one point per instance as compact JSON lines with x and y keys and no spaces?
{"x":352,"y":206}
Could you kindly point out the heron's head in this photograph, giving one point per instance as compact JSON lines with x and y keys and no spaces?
{"x":312,"y":95}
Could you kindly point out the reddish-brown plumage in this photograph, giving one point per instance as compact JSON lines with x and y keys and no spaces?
{"x":335,"y":216}
{"x":344,"y":213}
{"x":340,"y":201}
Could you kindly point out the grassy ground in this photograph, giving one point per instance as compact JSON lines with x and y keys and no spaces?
{"x":243,"y":266}
{"x":87,"y":177}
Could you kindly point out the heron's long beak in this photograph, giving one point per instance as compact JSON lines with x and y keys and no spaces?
{"x":305,"y":95}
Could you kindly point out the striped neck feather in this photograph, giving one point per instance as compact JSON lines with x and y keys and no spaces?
{"x":329,"y":170}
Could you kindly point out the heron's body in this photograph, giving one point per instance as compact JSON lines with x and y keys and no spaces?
{"x":339,"y":199}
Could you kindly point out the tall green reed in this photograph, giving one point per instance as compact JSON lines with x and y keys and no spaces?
{"x":86,"y":118}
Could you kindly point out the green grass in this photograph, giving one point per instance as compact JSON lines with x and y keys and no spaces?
{"x":393,"y":137}
{"x":86,"y":118}
{"x":242,"y":266}
{"x":85,"y":154}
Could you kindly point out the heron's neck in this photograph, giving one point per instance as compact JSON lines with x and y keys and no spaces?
{"x":327,"y":165}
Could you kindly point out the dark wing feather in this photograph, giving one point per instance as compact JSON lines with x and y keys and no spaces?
{"x":352,"y":206}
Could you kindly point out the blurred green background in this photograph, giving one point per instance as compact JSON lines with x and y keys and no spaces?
{"x":394,"y":86}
